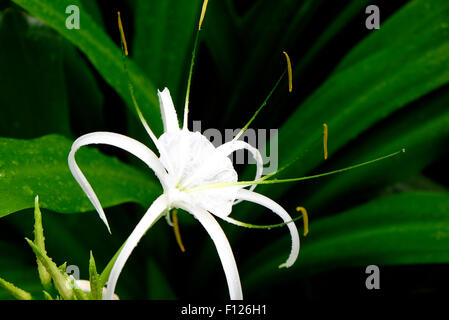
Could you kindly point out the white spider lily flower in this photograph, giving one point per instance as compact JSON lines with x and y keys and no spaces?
{"x":187,"y":164}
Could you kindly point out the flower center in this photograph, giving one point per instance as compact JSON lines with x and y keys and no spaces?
{"x":191,"y":161}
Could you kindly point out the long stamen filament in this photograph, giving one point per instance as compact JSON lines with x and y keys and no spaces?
{"x":192,"y":63}
{"x":258,"y":226}
{"x":189,"y":81}
{"x":177,"y":231}
{"x":266,"y":181}
{"x":305,"y":219}
{"x":260,"y":108}
{"x":130,"y":86}
{"x":290,"y":88}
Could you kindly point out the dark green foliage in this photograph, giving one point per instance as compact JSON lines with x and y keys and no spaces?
{"x":378,"y":91}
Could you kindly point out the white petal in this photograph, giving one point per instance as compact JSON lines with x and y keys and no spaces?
{"x":168,"y":112}
{"x":156,"y":211}
{"x":114,"y":139}
{"x":276,"y":208}
{"x":233,"y":146}
{"x":223,"y":248}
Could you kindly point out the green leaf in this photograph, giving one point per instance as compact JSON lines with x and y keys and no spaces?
{"x":353,"y":100}
{"x":39,"y":167}
{"x":353,"y":9}
{"x":400,"y":229}
{"x":268,"y":19}
{"x":415,"y":19}
{"x":164,"y":32}
{"x":104,"y":54}
{"x":263,"y":44}
{"x":158,"y":286}
{"x":220,"y":35}
{"x":422,"y":129}
{"x":31,"y":61}
{"x":47,"y":295}
{"x":17,"y":267}
{"x":85,"y":98}
{"x":92,"y":8}
{"x":107,"y":270}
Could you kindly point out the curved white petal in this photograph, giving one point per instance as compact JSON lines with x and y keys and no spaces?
{"x":168,"y":112}
{"x":114,"y":139}
{"x":233,"y":146}
{"x":223,"y":248}
{"x":156,"y":211}
{"x":247,"y":195}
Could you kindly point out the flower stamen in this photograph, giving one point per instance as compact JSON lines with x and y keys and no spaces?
{"x":203,"y":13}
{"x":290,"y":88}
{"x":265,"y":180}
{"x":176,"y":230}
{"x":122,"y":33}
{"x":130,"y":86}
{"x":259,"y":226}
{"x":192,"y":63}
{"x":305,"y":219}
{"x":290,"y":73}
{"x":260,"y":108}
{"x":325,"y":133}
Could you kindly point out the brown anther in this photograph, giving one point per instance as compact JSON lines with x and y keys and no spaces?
{"x":305,"y":219}
{"x":325,"y":133}
{"x":203,"y":13}
{"x":289,"y":71}
{"x":176,"y":230}
{"x":122,"y":33}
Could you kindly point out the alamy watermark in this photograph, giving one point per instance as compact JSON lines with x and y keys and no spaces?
{"x":373,"y":280}
{"x":74,"y":271}
{"x":73,"y":20}
{"x":372,"y":22}
{"x":256,"y":138}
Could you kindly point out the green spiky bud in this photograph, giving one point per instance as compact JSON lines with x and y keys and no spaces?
{"x":18,"y":293}
{"x":61,"y":283}
{"x":39,"y":240}
{"x":94,"y":279}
